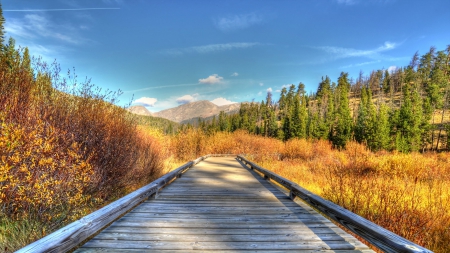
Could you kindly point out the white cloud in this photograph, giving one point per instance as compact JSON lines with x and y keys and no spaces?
{"x":212,"y":48}
{"x":222,"y":101}
{"x":261,"y":84}
{"x":269,"y":90}
{"x":235,"y":74}
{"x":392,"y":69}
{"x":186,"y":99}
{"x":238,"y":22}
{"x":260,"y":93}
{"x":145,"y":101}
{"x":212,"y":79}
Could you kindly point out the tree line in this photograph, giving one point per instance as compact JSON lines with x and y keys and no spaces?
{"x":405,"y":109}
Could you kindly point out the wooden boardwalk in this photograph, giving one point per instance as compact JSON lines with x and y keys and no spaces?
{"x":220,"y":205}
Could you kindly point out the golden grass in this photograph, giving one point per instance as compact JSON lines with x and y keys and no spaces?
{"x":405,"y":193}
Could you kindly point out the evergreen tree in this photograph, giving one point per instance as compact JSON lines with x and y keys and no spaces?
{"x":272,"y":126}
{"x":342,"y":128}
{"x":300,"y":114}
{"x":223,"y":122}
{"x":409,"y":120}
{"x":324,"y":88}
{"x":287,"y":126}
{"x":282,"y":103}
{"x":2,"y":28}
{"x":362,"y":118}
{"x":382,"y":131}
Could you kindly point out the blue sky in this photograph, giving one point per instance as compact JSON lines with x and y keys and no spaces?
{"x":169,"y":52}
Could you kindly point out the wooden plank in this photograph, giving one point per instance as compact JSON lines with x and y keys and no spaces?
{"x":222,"y":216}
{"x":232,"y":231}
{"x":131,"y":236}
{"x":219,"y":204}
{"x":288,"y":226}
{"x":197,"y":208}
{"x":96,"y":250}
{"x":211,"y":212}
{"x":271,"y":245}
{"x":376,"y":235}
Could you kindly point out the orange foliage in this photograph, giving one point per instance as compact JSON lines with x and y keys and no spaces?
{"x":65,"y":150}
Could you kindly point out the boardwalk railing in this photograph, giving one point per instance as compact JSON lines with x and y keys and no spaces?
{"x":70,"y":236}
{"x":374,"y":234}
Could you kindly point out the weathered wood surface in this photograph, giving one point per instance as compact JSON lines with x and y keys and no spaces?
{"x":219,"y":205}
{"x":374,"y":234}
{"x":70,"y":236}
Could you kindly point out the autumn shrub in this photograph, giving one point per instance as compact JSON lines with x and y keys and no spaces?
{"x":298,"y":149}
{"x":187,"y":144}
{"x":65,"y":149}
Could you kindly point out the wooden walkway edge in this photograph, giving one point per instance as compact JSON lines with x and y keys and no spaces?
{"x":221,"y":205}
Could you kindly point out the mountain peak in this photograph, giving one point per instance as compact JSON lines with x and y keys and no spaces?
{"x":197,"y":109}
{"x":140,"y":110}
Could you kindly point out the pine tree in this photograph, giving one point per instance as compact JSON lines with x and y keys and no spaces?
{"x":272,"y":126}
{"x":286,"y":124}
{"x":282,"y":103}
{"x":342,"y":128}
{"x":445,"y":66}
{"x":2,"y":28}
{"x":362,"y":118}
{"x":382,"y":130}
{"x":299,"y":114}
{"x":409,"y":120}
{"x":223,"y":122}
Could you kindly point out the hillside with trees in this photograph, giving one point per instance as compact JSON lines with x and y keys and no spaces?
{"x":405,"y":109}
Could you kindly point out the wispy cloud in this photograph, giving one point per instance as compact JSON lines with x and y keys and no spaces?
{"x":238,"y":22}
{"x":269,"y":90}
{"x":145,"y":101}
{"x":212,"y":79}
{"x":161,"y":87}
{"x":212,"y":48}
{"x":341,"y":52}
{"x":35,"y":26}
{"x":361,"y":64}
{"x":235,"y":74}
{"x":68,"y":9}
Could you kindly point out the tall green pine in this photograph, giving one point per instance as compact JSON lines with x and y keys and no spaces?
{"x":342,"y":128}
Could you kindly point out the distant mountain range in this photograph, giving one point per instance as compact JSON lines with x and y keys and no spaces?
{"x":186,"y":112}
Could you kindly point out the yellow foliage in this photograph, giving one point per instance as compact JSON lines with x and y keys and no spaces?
{"x":35,"y":173}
